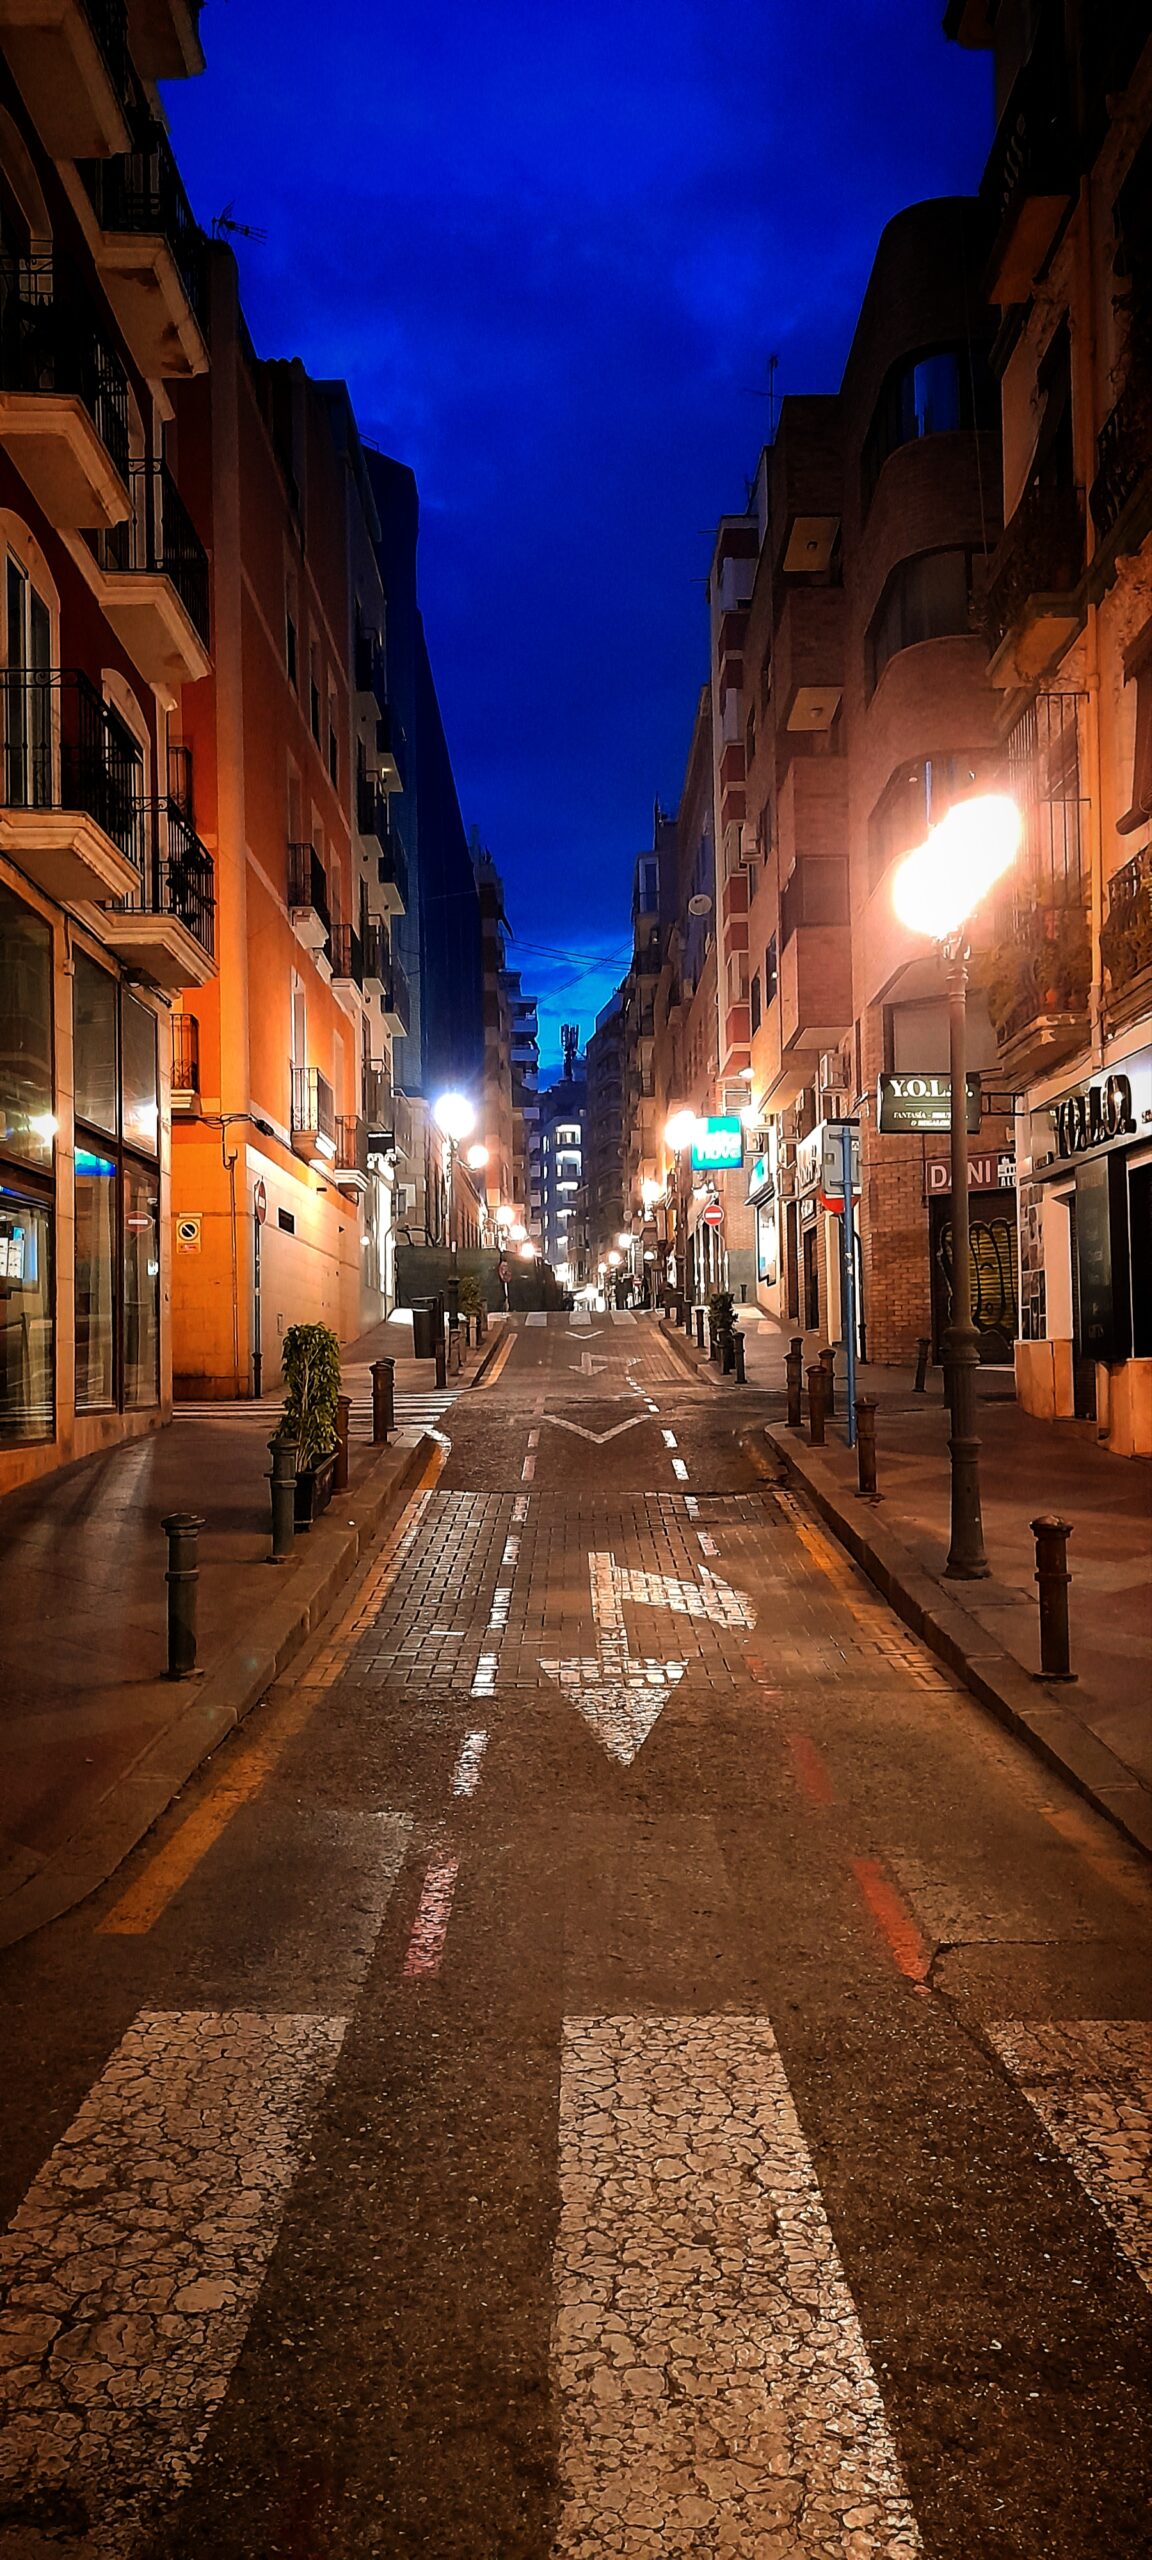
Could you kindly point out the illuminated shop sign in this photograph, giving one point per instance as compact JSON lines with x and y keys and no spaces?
{"x":924,"y":1103}
{"x":718,"y":1146}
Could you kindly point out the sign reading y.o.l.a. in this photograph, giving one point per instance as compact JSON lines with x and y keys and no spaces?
{"x":924,"y":1103}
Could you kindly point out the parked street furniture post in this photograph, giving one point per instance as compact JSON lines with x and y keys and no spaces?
{"x":920,"y":1381}
{"x":794,"y":1375}
{"x":699,"y":1328}
{"x":828,"y":1364}
{"x":182,"y":1530}
{"x":866,"y":1442}
{"x":383,"y":1399}
{"x":343,"y":1424}
{"x":738,"y":1354}
{"x":282,"y":1481}
{"x":441,"y":1358}
{"x":1053,"y":1578}
{"x":817,"y":1389}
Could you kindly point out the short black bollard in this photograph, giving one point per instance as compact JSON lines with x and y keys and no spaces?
{"x":738,"y":1349}
{"x":343,"y":1421}
{"x":920,"y":1381}
{"x":282,"y":1479}
{"x":182,"y":1530}
{"x":715,"y":1342}
{"x":383,"y":1399}
{"x":866,"y":1442}
{"x":828,"y":1364}
{"x":794,"y":1374}
{"x":727,"y":1351}
{"x":699,"y":1328}
{"x":1053,"y":1578}
{"x":817,"y":1390}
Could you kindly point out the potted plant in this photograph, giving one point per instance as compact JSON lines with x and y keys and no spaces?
{"x":722,"y":1320}
{"x":472,"y":1306}
{"x":311,"y":1362}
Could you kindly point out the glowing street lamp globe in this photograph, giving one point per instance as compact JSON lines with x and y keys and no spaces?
{"x":476,"y":1158}
{"x":455,"y":1116}
{"x":527,"y":1252}
{"x":614,"y":1261}
{"x":680,"y":1131}
{"x":937,"y":887}
{"x":624,"y":1242}
{"x":649,"y":1192}
{"x":517,"y":1231}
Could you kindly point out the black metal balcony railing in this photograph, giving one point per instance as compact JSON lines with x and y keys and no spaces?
{"x":390,"y":741}
{"x":50,"y":345}
{"x":108,"y":20}
{"x":1034,"y":151}
{"x":179,"y":879}
{"x":371,"y":806}
{"x":1123,"y":451}
{"x":1040,"y":553}
{"x":142,"y":190}
{"x":307,"y":881}
{"x":375,"y":950}
{"x":392,"y":865}
{"x":397,"y":998}
{"x":351,"y":1145}
{"x":159,"y":535}
{"x":185,"y":1053}
{"x":367,"y":660}
{"x":346,"y":952}
{"x":313,"y":1106}
{"x":1126,"y":937}
{"x":61,"y":750}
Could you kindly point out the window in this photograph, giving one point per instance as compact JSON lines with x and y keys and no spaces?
{"x":647,"y":885}
{"x":314,"y":694}
{"x":926,"y":598}
{"x":27,"y":1200}
{"x":754,"y":1000}
{"x":291,"y":651}
{"x":928,"y":395}
{"x":333,"y":748}
{"x":914,"y":799}
{"x":28,"y":776}
{"x":815,"y":892}
{"x":117,"y":1283}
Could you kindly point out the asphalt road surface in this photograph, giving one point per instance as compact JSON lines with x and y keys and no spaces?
{"x":618,"y":2058}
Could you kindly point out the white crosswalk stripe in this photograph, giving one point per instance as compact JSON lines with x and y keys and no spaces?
{"x":1090,"y":2082}
{"x":538,"y":1316}
{"x":414,"y":1409}
{"x":715,"y":2389}
{"x":622,"y":1315}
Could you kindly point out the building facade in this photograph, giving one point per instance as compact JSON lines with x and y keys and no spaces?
{"x":563,"y":1108}
{"x":107,"y":890}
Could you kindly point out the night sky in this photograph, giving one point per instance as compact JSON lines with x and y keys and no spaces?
{"x":550,"y":250}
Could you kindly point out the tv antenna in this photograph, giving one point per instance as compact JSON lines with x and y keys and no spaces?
{"x":224,"y":227}
{"x":769,"y":393}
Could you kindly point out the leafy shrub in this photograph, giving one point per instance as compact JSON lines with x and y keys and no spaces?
{"x":312,"y":1377}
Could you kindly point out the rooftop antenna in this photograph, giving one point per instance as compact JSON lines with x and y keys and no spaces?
{"x":569,"y":1043}
{"x":770,"y":394}
{"x":224,"y":227}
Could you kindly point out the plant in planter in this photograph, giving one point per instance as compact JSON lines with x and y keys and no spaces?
{"x":472,"y":1300}
{"x":1044,"y":968}
{"x":722,"y":1316}
{"x":311,"y":1362}
{"x":1126,"y":939}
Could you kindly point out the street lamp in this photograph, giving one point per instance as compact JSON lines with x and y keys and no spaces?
{"x":455,"y":1117}
{"x":678,"y":1137}
{"x":935,"y":891}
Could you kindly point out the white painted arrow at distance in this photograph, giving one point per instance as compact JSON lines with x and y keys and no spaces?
{"x":598,"y":1437}
{"x":709,"y":1598}
{"x":591,"y":1365}
{"x":618,"y":1694}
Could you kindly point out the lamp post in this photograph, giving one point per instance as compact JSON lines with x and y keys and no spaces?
{"x":935,"y":891}
{"x":678,"y":1137}
{"x":455,"y":1118}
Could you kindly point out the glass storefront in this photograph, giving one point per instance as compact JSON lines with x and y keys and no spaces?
{"x":117,"y":1195}
{"x":27,"y":1156}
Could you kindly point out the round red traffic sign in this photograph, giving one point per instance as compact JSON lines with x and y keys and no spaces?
{"x":260,"y":1201}
{"x":713,"y":1215}
{"x":502,"y":1270}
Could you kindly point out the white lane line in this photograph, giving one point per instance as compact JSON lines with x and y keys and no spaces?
{"x":520,"y":1510}
{"x":649,"y":1407}
{"x":669,"y":1439}
{"x":528,"y":1469}
{"x":679,"y":1469}
{"x":539,"y":1316}
{"x":691,"y":1506}
{"x":708,"y":1546}
{"x":484,"y":1680}
{"x":430,"y":1926}
{"x":511,"y":1556}
{"x":714,"y":2387}
{"x":466,"y":1774}
{"x":533,"y":1440}
{"x":132,"y":2266}
{"x":621,"y":1315}
{"x":1090,"y":2083}
{"x":579,"y":1316}
{"x":498,"y":1614}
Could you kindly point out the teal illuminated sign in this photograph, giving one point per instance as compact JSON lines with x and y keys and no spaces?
{"x":718,"y":1146}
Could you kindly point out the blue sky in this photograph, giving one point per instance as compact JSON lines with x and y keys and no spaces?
{"x":550,"y":250}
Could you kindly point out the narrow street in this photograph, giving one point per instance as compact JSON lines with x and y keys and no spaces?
{"x":619,"y":2057}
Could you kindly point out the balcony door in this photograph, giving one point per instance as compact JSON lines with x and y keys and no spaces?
{"x":27,"y":693}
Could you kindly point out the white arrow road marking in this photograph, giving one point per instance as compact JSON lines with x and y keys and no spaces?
{"x":591,"y":1365}
{"x":710,"y":1598}
{"x":618,"y":1694}
{"x":597,"y":1437}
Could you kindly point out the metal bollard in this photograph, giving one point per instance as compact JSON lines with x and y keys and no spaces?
{"x":182,"y":1530}
{"x":920,"y":1382}
{"x":828,"y":1364}
{"x":383,"y":1399}
{"x":794,"y":1374}
{"x":282,"y":1479}
{"x":343,"y":1419}
{"x":699,"y":1328}
{"x":715,"y":1342}
{"x":866,"y":1442}
{"x":1053,"y":1578}
{"x":817,"y":1389}
{"x":738,"y":1352}
{"x":727,"y":1350}
{"x":441,"y":1358}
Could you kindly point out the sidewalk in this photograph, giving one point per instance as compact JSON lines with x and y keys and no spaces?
{"x":1098,"y":1730}
{"x":94,"y":1739}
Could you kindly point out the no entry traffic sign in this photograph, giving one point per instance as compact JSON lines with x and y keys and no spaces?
{"x":713,"y":1215}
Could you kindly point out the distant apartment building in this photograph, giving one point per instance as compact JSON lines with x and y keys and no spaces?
{"x":692,"y":1253}
{"x":526,"y":1195}
{"x":563,"y":1108}
{"x":107,"y":886}
{"x":1067,"y":612}
{"x":605,"y":1131}
{"x":496,"y":1130}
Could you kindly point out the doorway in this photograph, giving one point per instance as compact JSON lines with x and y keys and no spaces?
{"x":811,"y":1315}
{"x":1083,"y":1367}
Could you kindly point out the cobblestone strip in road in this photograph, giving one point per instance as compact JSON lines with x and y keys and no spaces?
{"x":1091,"y":2086}
{"x":716,"y":2393}
{"x":128,"y":2276}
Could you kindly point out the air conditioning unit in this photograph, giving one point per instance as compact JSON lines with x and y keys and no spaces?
{"x":835,"y":1106}
{"x":833,"y":1070}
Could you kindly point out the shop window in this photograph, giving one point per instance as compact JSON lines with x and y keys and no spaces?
{"x":117,"y":1297}
{"x":27,"y":1205}
{"x":94,"y":1035}
{"x":27,"y":1125}
{"x":139,"y":1088}
{"x":141,"y":1286}
{"x":95,"y":1280}
{"x":926,"y":598}
{"x":26,"y":1318}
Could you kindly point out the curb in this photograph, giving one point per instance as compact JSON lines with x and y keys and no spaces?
{"x":1031,"y":1708}
{"x":697,"y":1365}
{"x":494,"y":1358}
{"x":276,"y":1634}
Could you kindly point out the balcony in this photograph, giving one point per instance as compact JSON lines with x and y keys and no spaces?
{"x":63,"y":401}
{"x":1037,"y":981}
{"x":313,"y":1118}
{"x":1121,"y":493}
{"x":815,"y":965}
{"x":1031,"y":173}
{"x":70,"y":61}
{"x":151,"y":255}
{"x":396,"y":1002}
{"x":1126,"y":940}
{"x":166,"y":925}
{"x":154,"y":581}
{"x":392,"y":869}
{"x":185,"y":1064}
{"x":1033,"y":603}
{"x":390,"y":749}
{"x":376,"y":956}
{"x":70,"y":809}
{"x":346,"y":954}
{"x":166,"y":38}
{"x":308,"y":908}
{"x":351,"y":1167}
